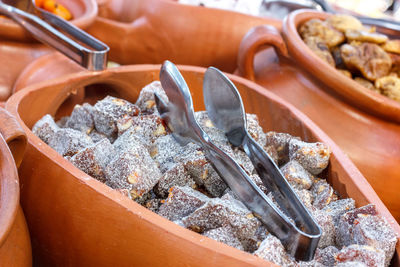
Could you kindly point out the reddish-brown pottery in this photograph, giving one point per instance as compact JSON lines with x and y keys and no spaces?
{"x":152,"y":31}
{"x":83,"y":13}
{"x":15,"y":245}
{"x":75,"y":220}
{"x":322,"y":93}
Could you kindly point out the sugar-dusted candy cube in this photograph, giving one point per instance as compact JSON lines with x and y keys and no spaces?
{"x":314,"y":157}
{"x":326,"y":256}
{"x":325,"y":222}
{"x":375,"y":231}
{"x":45,"y":128}
{"x":351,"y":264}
{"x":68,"y":142}
{"x":94,"y":159}
{"x":175,"y":176}
{"x":322,"y":193}
{"x":254,"y":129}
{"x":62,"y":121}
{"x":216,"y":135}
{"x":146,"y":101}
{"x":305,"y":197}
{"x":107,"y":111}
{"x":181,"y":202}
{"x":338,"y":207}
{"x":81,"y":118}
{"x":224,"y":235}
{"x":243,"y":160}
{"x":134,"y":170}
{"x":271,"y":249}
{"x":96,"y":136}
{"x":296,"y":175}
{"x":370,"y":256}
{"x":271,"y":151}
{"x":346,"y":222}
{"x":280,"y":141}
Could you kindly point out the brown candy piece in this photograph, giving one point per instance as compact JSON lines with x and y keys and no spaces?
{"x":96,"y":136}
{"x":323,"y":194}
{"x":326,"y":256}
{"x":296,"y":175}
{"x":254,"y":129}
{"x":325,"y":221}
{"x":339,"y":207}
{"x":45,"y":128}
{"x":314,"y":157}
{"x":81,"y":118}
{"x":370,"y":256}
{"x":107,"y":111}
{"x":224,"y":235}
{"x":134,"y":170}
{"x":94,"y":159}
{"x":181,"y":202}
{"x":68,"y":142}
{"x":305,"y":197}
{"x":323,"y":31}
{"x":280,"y":142}
{"x":369,"y":59}
{"x":146,"y":101}
{"x":271,"y":249}
{"x":165,"y":151}
{"x":175,"y":176}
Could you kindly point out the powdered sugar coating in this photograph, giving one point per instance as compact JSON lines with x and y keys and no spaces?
{"x":68,"y":142}
{"x":280,"y":141}
{"x":271,"y":249}
{"x":338,"y":207}
{"x":175,"y":176}
{"x":146,"y":101}
{"x":296,"y":175}
{"x":322,"y":193}
{"x":370,"y":256}
{"x":81,"y":118}
{"x":45,"y":128}
{"x":326,"y":256}
{"x":181,"y":202}
{"x":325,"y":222}
{"x":224,"y":235}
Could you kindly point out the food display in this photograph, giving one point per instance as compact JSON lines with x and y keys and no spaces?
{"x":128,"y":147}
{"x":55,"y":8}
{"x":359,"y":52}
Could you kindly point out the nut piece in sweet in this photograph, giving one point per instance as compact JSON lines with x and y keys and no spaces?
{"x":344,"y":22}
{"x":370,"y":256}
{"x":146,"y":101}
{"x":68,"y":142}
{"x":322,"y":30}
{"x":181,"y":202}
{"x":364,"y":36}
{"x":271,"y":249}
{"x":81,"y":118}
{"x":320,"y":48}
{"x":369,"y":59}
{"x":389,"y":86}
{"x":107,"y":111}
{"x":94,"y":159}
{"x":296,"y":175}
{"x":45,"y":128}
{"x":314,"y":157}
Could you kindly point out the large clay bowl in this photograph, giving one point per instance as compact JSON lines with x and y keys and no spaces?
{"x":84,"y":13}
{"x":152,"y":31}
{"x":15,"y":246}
{"x":347,"y":88}
{"x":76,"y":220}
{"x":371,"y":142}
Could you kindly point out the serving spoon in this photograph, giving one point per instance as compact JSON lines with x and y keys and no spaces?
{"x":178,"y":115}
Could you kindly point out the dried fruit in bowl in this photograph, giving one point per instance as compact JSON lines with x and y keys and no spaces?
{"x":55,"y":8}
{"x":126,"y":146}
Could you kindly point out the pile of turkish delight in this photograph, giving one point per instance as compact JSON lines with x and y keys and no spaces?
{"x":128,"y":147}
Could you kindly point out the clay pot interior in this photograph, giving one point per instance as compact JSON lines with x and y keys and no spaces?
{"x":352,"y":92}
{"x":83,"y":11}
{"x":108,"y":206}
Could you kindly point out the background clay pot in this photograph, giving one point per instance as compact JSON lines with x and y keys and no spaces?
{"x":152,"y":31}
{"x":372,"y":143}
{"x":83,"y":12}
{"x":76,"y":220}
{"x":15,"y":246}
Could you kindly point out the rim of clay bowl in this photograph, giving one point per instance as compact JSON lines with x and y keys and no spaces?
{"x":84,"y":13}
{"x":9,"y":191}
{"x":84,"y":78}
{"x":354,"y":93}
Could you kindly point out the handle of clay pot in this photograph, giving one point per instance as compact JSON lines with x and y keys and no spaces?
{"x":13,"y":134}
{"x":256,"y":39}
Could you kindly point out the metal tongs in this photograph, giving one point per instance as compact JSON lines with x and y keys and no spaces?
{"x":299,"y":237}
{"x":85,"y":49}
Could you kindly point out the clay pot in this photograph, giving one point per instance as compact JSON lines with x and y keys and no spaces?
{"x":371,"y":142}
{"x":83,"y":11}
{"x":152,"y":31}
{"x":15,"y":246}
{"x":76,"y":220}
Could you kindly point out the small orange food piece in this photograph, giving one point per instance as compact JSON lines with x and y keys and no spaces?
{"x":49,"y":5}
{"x":39,"y":3}
{"x":62,"y":12}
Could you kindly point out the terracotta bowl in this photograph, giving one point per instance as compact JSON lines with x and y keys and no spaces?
{"x":347,"y":88}
{"x":372,"y":142}
{"x":84,"y":13}
{"x":152,"y":31}
{"x":15,"y":246}
{"x":77,"y":220}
